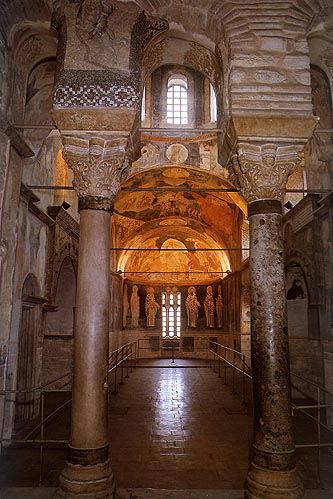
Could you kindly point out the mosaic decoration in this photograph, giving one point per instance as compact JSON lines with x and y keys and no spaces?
{"x":108,"y":88}
{"x":94,"y":88}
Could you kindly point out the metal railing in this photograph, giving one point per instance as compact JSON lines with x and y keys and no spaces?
{"x":36,"y":436}
{"x":322,"y":410}
{"x":221,"y":357}
{"x":125,"y":359}
{"x":153,"y":344}
{"x":122,"y":361}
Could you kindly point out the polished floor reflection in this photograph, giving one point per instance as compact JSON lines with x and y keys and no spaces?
{"x":176,"y":426}
{"x":173,"y":426}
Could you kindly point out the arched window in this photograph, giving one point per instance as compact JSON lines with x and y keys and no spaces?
{"x":171,"y":311}
{"x":143,"y":105}
{"x":213,"y":106}
{"x":177,"y":100}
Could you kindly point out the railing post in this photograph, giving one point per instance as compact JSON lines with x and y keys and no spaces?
{"x":3,"y":404}
{"x":219,"y":359}
{"x":127,"y":358}
{"x":41,"y":438}
{"x":233,"y":372}
{"x":243,"y":378}
{"x":225,"y":365}
{"x":318,"y":421}
{"x":206,"y":348}
{"x":131,"y":370}
{"x":122,"y":366}
{"x":115,"y":373}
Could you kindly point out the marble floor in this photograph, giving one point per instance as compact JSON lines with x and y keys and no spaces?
{"x":46,"y":493}
{"x":179,"y":429}
{"x":174,"y":427}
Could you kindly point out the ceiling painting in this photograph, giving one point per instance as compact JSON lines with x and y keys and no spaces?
{"x":172,"y":233}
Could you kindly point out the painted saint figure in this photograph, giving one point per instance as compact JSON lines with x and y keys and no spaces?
{"x":125,"y":306}
{"x":192,"y":306}
{"x":296,"y":291}
{"x":209,"y":307}
{"x":219,"y":306}
{"x":135,"y":307}
{"x":151,"y":307}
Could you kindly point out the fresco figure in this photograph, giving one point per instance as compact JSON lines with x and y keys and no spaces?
{"x":219,"y":306}
{"x":151,"y":307}
{"x":296,"y":291}
{"x":135,"y":307}
{"x":192,"y":307}
{"x":209,"y":307}
{"x":125,"y":306}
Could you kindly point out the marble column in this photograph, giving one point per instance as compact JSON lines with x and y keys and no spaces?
{"x":97,"y":179}
{"x":261,"y":173}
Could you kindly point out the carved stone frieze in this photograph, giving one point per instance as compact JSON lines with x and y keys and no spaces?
{"x":262,"y":171}
{"x":97,"y":165}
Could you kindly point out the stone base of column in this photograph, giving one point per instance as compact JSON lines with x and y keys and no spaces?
{"x":88,"y":482}
{"x":268,"y":484}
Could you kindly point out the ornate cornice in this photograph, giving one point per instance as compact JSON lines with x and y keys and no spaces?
{"x":97,"y":165}
{"x":262,"y":171}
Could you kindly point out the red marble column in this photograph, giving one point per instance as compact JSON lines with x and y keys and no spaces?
{"x":97,"y":179}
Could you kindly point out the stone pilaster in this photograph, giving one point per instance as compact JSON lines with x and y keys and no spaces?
{"x":96,"y":163}
{"x":261,"y":172}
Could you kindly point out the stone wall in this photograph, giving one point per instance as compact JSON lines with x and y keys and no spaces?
{"x":28,"y":258}
{"x":306,"y":361}
{"x":57,"y":361}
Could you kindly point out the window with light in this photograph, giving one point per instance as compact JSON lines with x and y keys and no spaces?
{"x":177,"y":101}
{"x":213,"y":105}
{"x":171,"y":310}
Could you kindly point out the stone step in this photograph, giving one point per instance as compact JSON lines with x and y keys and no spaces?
{"x":202,"y":494}
{"x":47,"y":493}
{"x":178,"y":494}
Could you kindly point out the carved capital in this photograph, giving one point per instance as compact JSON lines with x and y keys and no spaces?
{"x":97,"y":164}
{"x":262,"y":171}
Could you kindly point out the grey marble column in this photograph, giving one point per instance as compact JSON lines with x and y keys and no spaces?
{"x":261,"y":173}
{"x":272,"y":473}
{"x":97,"y":179}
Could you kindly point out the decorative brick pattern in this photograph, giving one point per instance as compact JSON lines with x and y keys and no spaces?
{"x":96,"y":95}
{"x":88,"y":95}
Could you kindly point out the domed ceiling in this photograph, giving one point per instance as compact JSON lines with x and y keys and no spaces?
{"x":174,"y":225}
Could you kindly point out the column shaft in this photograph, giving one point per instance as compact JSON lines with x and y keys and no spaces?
{"x":88,"y":473}
{"x":91,"y":341}
{"x":273,"y":447}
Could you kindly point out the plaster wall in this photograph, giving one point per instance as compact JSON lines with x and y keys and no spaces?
{"x":29,"y":257}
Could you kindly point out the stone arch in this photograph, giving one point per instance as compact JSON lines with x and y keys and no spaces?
{"x":62,"y":319}
{"x":39,"y":92}
{"x":297,"y":294}
{"x":65,"y":249}
{"x":184,"y":52}
{"x":296,"y":258}
{"x":321,"y":96}
{"x":30,"y":48}
{"x":27,"y":350}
